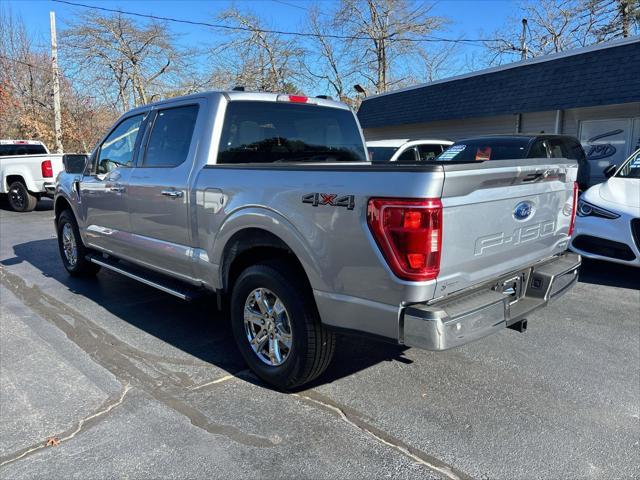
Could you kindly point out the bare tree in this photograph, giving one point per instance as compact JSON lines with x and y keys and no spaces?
{"x":558,"y":25}
{"x":26,"y":104}
{"x":333,"y":64}
{"x":254,"y":58}
{"x":132,"y":63}
{"x":385,"y":33}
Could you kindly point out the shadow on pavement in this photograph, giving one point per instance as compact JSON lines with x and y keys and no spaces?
{"x":609,"y":274}
{"x":195,"y":328}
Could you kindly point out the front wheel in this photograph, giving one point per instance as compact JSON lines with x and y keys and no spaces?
{"x":72,"y":250}
{"x":21,"y":199}
{"x":277,"y":328}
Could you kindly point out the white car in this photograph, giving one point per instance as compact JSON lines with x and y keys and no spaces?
{"x":405,"y":150}
{"x":27,"y":172}
{"x":608,"y":221}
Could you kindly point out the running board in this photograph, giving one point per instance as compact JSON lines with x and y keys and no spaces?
{"x":157,"y":280}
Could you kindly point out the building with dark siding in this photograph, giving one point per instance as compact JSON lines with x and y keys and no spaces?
{"x":592,"y":93}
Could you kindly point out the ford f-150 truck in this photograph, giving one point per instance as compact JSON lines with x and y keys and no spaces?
{"x":27,"y":172}
{"x":271,"y":202}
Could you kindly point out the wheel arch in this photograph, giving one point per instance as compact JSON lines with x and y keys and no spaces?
{"x":251,"y":246}
{"x":265,"y":229}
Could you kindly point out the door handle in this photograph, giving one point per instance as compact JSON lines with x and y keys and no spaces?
{"x":116,"y":188}
{"x":172,"y":193}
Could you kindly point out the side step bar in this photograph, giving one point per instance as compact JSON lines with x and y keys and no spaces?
{"x":168,"y":285}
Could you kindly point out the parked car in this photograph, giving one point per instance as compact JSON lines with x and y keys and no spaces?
{"x":405,"y":150}
{"x":270,"y":201}
{"x":608,"y":222}
{"x":499,"y":147}
{"x":27,"y":172}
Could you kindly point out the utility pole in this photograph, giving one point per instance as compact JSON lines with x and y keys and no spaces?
{"x":523,"y":41}
{"x":57,"y":116}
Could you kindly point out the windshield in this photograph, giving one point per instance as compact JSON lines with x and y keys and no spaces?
{"x":631,"y":169}
{"x":485,"y":149}
{"x":381,"y":154}
{"x":268,"y":132}
{"x":21,"y":149}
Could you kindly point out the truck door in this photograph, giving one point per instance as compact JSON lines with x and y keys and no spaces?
{"x":159,"y":190}
{"x":103,"y":193}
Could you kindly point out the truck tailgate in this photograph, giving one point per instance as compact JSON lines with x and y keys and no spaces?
{"x":500,"y":216}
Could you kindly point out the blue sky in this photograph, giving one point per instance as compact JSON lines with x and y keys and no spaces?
{"x":469,"y":18}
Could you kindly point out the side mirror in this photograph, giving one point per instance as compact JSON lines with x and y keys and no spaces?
{"x":610,"y":170}
{"x":75,"y":162}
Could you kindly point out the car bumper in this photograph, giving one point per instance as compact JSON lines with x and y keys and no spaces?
{"x":611,"y":240}
{"x":487,"y":309}
{"x":49,"y":189}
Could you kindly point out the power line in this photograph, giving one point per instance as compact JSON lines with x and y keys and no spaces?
{"x":263,"y":30}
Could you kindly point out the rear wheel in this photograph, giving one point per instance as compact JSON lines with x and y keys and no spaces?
{"x":277,"y":328}
{"x":20,"y":199}
{"x":72,"y":250}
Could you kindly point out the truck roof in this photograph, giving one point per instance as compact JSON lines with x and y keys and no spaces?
{"x":20,"y":142}
{"x":402,"y":141}
{"x":233,"y":95}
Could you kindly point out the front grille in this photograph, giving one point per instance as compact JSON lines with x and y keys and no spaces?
{"x":601,"y":246}
{"x":635,"y":229}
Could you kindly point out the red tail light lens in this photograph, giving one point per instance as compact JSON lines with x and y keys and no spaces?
{"x":47,"y":169}
{"x":298,"y":98}
{"x":409,"y":234}
{"x":574,"y":210}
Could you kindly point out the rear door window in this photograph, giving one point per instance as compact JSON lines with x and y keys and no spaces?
{"x":429,"y":152}
{"x":279,"y":132}
{"x":485,"y":149}
{"x":170,"y":138}
{"x":408,"y":156}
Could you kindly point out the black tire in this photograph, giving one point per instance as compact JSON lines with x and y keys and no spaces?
{"x":312,"y":343}
{"x":20,"y":199}
{"x":82,"y":267}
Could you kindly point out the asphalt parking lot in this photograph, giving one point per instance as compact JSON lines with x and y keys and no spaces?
{"x":134,"y":383}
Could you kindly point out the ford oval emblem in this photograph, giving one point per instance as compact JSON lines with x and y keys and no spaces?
{"x":523,"y":211}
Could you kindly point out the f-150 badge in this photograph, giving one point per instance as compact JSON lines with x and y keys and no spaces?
{"x":331,"y":199}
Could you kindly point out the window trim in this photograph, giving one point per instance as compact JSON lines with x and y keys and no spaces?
{"x":136,"y":147}
{"x":149,"y":130}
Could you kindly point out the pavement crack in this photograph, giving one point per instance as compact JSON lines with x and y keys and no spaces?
{"x":83,"y":423}
{"x":119,"y":358}
{"x":358,"y":423}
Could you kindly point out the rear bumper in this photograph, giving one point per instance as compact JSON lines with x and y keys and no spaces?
{"x":485,"y":309}
{"x":49,"y":189}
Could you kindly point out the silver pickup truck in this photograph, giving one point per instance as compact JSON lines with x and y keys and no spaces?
{"x":271,"y":202}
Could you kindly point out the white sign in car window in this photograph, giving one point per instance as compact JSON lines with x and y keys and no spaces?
{"x":451,"y":152}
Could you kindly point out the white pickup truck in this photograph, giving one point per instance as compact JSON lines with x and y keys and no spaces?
{"x":27,"y":172}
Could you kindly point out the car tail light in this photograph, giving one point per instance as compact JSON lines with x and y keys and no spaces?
{"x":409,"y":233}
{"x":574,"y":210}
{"x":47,"y":169}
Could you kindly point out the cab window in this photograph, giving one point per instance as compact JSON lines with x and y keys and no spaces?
{"x":170,"y":138}
{"x":408,"y":156}
{"x":118,"y":148}
{"x":429,"y":152}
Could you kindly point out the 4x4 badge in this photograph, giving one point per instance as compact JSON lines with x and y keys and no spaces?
{"x":330,"y":199}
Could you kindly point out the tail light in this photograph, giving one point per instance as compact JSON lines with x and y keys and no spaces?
{"x":574,"y":210}
{"x":409,"y":234}
{"x":294,"y":98}
{"x":47,"y":169}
